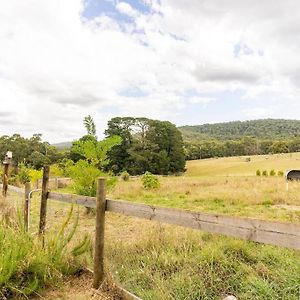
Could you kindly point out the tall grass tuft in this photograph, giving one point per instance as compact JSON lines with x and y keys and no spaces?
{"x":28,"y":264}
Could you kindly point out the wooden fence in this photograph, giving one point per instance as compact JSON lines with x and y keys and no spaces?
{"x":267,"y":232}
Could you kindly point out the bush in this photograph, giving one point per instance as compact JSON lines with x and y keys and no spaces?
{"x":24,"y":174}
{"x":272,"y":173}
{"x":150,"y":181}
{"x":28,"y":264}
{"x":35,"y":175}
{"x":125,"y":176}
{"x":280,"y":173}
{"x":265,"y":173}
{"x":84,"y":176}
{"x":258,"y":173}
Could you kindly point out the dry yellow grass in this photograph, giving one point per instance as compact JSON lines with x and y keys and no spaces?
{"x":245,"y":196}
{"x":225,"y":185}
{"x":239,"y":166}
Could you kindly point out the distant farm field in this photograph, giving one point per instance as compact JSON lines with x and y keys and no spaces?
{"x":226,"y":186}
{"x":241,"y":166}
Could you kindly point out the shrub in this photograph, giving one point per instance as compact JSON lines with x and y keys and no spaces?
{"x":84,"y":176}
{"x":280,"y":173}
{"x":56,"y":171}
{"x":28,"y":264}
{"x":150,"y":181}
{"x":24,"y":174}
{"x":125,"y":176}
{"x":265,"y":173}
{"x":272,"y":173}
{"x":35,"y":175}
{"x":258,"y":173}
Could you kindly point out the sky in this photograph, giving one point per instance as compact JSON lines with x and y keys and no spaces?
{"x":190,"y":62}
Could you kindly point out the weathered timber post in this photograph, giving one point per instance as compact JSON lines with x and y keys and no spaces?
{"x":5,"y":180}
{"x":26,"y":205}
{"x":44,"y":198}
{"x":99,"y":234}
{"x":6,"y":163}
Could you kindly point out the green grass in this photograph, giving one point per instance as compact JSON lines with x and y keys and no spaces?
{"x":172,"y":263}
{"x":254,"y":197}
{"x":29,"y":263}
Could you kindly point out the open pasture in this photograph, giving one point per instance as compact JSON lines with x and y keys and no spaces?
{"x":226,"y":186}
{"x":241,"y":166}
{"x":157,"y":261}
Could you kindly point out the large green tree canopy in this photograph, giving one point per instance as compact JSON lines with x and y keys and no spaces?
{"x":147,"y":145}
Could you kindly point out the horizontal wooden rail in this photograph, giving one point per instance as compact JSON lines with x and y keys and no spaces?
{"x":275,"y":233}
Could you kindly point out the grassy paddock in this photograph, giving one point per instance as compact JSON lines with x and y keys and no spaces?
{"x":241,"y":196}
{"x":239,"y":166}
{"x":167,"y":262}
{"x":173,"y":263}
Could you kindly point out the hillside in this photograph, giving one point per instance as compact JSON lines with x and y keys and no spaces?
{"x":63,"y":145}
{"x":261,"y":129}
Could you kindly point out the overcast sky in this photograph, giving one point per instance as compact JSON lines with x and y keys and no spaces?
{"x":187,"y":61}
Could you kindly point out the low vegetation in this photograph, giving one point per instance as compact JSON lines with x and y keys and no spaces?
{"x":173,"y":263}
{"x":29,"y":263}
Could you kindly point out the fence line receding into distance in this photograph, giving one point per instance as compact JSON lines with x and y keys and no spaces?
{"x":267,"y":232}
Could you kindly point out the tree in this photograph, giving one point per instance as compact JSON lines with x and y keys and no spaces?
{"x":147,"y":145}
{"x":90,"y":126}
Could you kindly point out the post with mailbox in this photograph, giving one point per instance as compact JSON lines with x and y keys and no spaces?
{"x":6,"y":163}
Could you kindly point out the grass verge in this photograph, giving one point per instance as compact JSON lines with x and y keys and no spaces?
{"x":29,"y":263}
{"x":173,"y":263}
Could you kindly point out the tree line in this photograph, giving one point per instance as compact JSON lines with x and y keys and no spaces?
{"x":244,"y":146}
{"x":33,"y":151}
{"x":134,"y":145}
{"x":265,"y":129}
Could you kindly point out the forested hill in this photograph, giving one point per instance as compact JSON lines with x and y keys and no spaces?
{"x":260,"y":129}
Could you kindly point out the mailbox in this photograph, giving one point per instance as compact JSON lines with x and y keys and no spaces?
{"x":8,"y":158}
{"x":292,"y":175}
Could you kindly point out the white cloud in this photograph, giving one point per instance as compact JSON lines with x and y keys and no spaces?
{"x":126,"y":9}
{"x":202,"y":100}
{"x":56,"y":67}
{"x":257,"y":112}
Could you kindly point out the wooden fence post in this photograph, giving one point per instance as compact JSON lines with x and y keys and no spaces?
{"x":5,"y":179}
{"x":44,"y":198}
{"x":99,"y":234}
{"x":26,"y":205}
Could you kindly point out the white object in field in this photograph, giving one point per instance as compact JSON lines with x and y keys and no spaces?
{"x":230,"y":297}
